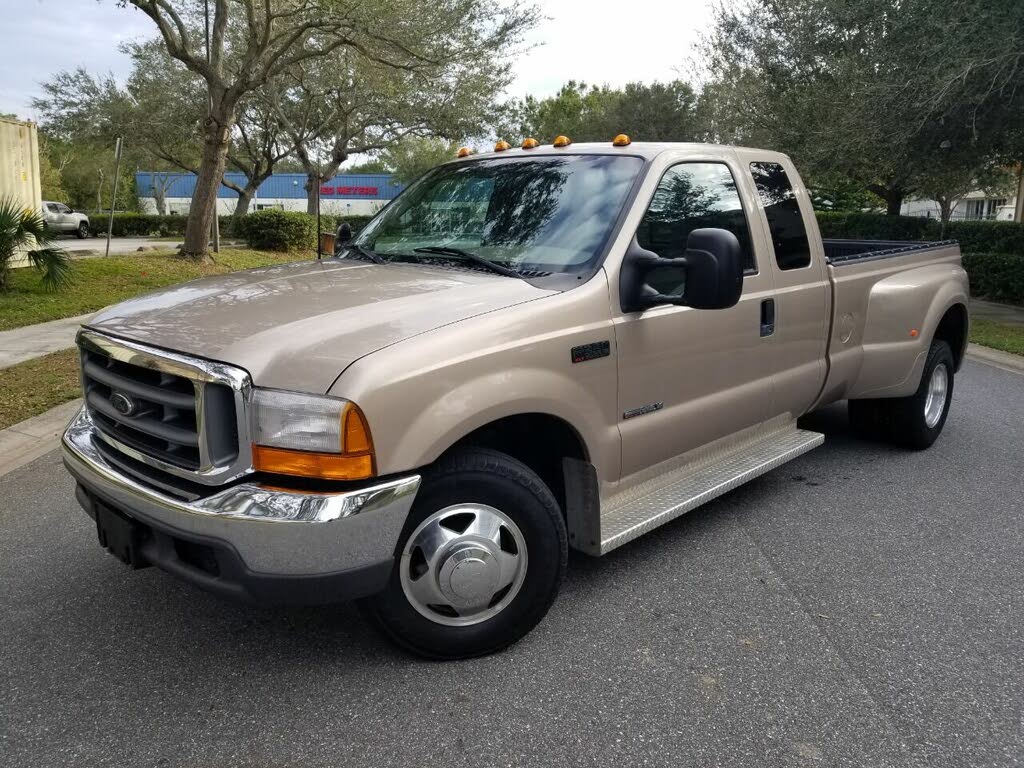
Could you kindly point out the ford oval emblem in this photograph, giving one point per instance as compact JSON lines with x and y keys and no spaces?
{"x":122,"y":403}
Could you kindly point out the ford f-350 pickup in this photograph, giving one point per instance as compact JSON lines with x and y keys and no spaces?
{"x":528,"y":350}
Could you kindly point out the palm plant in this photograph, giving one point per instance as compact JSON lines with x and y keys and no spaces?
{"x":22,"y":229}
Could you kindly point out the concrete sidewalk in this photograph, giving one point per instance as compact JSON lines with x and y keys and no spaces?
{"x":20,"y":344}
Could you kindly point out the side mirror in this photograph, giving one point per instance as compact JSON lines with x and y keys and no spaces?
{"x":708,"y":276}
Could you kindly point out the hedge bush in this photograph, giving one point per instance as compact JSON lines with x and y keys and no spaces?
{"x":996,"y":276}
{"x":973,"y":236}
{"x":987,"y":236}
{"x":273,"y":230}
{"x":149,"y":225}
{"x":290,"y":230}
{"x":876,"y":226}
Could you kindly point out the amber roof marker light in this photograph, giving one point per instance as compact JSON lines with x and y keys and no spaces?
{"x":464,"y":152}
{"x":502,"y":145}
{"x":622,"y":140}
{"x":561,"y":141}
{"x":530,"y":143}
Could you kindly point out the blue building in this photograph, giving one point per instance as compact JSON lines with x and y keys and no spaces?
{"x":353,"y":194}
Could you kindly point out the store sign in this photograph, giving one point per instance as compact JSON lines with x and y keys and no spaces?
{"x":346,"y":191}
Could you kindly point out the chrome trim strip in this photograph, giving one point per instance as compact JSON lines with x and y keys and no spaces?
{"x":200,"y":372}
{"x":274,"y":531}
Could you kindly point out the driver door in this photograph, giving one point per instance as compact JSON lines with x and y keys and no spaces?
{"x":688,"y":377}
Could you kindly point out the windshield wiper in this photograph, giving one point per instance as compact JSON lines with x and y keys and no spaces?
{"x":444,"y":250}
{"x":366,"y":253}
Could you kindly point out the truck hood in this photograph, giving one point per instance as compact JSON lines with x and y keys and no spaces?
{"x":298,"y":326}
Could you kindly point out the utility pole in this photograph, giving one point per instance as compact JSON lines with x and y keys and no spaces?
{"x":319,"y":182}
{"x":209,"y":116}
{"x":113,"y":199}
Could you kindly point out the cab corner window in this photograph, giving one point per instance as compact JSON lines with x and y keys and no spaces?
{"x":691,"y":196}
{"x":782,"y":211}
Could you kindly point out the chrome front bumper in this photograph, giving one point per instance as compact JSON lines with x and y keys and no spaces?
{"x":274,"y":533}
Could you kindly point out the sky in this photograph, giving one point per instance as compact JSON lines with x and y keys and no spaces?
{"x":597,"y":42}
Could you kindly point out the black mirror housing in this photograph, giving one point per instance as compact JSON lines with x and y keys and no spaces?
{"x":713,"y":268}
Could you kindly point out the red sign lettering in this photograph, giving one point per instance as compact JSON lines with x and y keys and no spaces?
{"x":336,"y":191}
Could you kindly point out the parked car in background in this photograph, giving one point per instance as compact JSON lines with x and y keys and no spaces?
{"x":60,"y":218}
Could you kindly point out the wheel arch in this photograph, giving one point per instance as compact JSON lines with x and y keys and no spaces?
{"x":953,"y":328}
{"x":542,"y":441}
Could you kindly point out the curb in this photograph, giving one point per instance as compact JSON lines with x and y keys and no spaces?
{"x":28,"y":440}
{"x":994,"y":357}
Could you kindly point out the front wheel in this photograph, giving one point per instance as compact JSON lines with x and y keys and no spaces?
{"x":479,"y":562}
{"x":83,"y":231}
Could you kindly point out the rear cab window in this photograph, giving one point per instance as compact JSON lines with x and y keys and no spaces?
{"x":782,"y":212}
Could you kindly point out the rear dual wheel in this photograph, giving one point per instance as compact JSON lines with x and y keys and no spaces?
{"x":480,"y":560}
{"x":915,"y":421}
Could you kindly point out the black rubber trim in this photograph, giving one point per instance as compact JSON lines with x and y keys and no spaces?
{"x":233,"y":579}
{"x":893,"y":249}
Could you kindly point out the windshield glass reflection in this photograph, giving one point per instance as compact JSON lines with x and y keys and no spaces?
{"x":545,"y":213}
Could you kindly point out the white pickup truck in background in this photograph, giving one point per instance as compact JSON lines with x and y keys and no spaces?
{"x":61,"y":218}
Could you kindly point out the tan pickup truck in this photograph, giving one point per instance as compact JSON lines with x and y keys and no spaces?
{"x":528,"y":350}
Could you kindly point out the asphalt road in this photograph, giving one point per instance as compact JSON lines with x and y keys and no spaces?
{"x":861,"y":606}
{"x":98,"y":245}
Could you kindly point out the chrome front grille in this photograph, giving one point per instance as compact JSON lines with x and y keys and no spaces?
{"x":152,"y":411}
{"x":182,"y":415}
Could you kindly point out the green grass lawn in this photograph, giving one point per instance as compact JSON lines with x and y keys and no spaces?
{"x":102,"y":281}
{"x":989,"y":333}
{"x":35,"y":386}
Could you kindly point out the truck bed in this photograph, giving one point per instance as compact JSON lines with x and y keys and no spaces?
{"x":884,"y":312}
{"x":841,"y":252}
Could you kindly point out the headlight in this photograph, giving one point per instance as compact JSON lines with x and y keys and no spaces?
{"x":310,"y":436}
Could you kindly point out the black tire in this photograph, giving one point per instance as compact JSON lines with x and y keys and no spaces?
{"x":83,"y":231}
{"x":480,"y":476}
{"x":903,"y":420}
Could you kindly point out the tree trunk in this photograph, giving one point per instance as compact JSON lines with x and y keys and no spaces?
{"x":160,"y":200}
{"x":244,"y":201}
{"x":1018,"y":213}
{"x":893,"y":202}
{"x":211,"y":172}
{"x":313,"y":182}
{"x":945,"y":214}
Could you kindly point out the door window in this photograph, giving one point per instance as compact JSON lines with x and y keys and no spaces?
{"x":781,"y":209}
{"x":692,"y":196}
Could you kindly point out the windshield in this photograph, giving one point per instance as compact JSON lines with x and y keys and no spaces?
{"x":545,"y":213}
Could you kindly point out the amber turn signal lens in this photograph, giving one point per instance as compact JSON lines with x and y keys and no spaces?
{"x":530,"y":143}
{"x":501,"y":146}
{"x":355,"y":432}
{"x":621,"y":140}
{"x":561,"y":141}
{"x":464,"y":152}
{"x":324,"y":466}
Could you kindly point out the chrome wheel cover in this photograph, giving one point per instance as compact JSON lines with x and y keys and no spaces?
{"x":935,"y":400}
{"x":463,"y":565}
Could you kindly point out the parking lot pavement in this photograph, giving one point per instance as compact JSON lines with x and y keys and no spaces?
{"x":96,"y":246}
{"x":859,"y":607}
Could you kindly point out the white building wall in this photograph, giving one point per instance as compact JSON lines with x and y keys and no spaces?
{"x":226,"y":206}
{"x":967,"y":208}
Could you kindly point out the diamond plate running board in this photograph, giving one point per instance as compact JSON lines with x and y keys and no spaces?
{"x":692,"y":486}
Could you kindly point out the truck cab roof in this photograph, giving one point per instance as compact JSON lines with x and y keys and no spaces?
{"x":647,"y":150}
